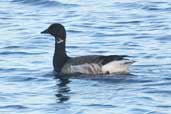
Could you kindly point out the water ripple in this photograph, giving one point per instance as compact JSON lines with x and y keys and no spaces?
{"x":13,"y":107}
{"x":46,"y":3}
{"x":19,"y":53}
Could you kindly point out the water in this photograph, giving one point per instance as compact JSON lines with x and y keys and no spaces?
{"x":139,"y":28}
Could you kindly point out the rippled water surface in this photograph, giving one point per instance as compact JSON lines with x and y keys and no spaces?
{"x":139,"y":28}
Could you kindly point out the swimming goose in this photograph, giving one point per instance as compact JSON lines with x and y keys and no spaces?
{"x":90,"y":64}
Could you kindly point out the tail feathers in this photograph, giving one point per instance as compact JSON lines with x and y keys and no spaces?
{"x":128,"y":61}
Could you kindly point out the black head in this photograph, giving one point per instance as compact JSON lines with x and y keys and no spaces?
{"x":57,"y":30}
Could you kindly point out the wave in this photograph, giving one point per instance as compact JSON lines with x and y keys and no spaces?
{"x":147,"y":6}
{"x":45,"y":3}
{"x":20,"y":53}
{"x":13,"y":107}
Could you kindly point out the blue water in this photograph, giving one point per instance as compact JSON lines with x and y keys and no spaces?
{"x":139,"y":28}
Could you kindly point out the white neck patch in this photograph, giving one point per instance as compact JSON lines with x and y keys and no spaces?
{"x":59,"y":41}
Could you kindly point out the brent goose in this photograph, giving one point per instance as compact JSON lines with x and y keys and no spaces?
{"x":90,"y":64}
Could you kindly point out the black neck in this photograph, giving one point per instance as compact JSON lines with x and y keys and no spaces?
{"x":60,"y":56}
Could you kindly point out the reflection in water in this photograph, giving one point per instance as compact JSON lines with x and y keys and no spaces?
{"x":63,"y":89}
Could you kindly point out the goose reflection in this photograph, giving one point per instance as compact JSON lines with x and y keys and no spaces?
{"x":62,"y":89}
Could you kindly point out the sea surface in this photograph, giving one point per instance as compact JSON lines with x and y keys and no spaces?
{"x":138,"y":28}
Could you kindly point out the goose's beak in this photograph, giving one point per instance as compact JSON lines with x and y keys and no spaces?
{"x":45,"y":32}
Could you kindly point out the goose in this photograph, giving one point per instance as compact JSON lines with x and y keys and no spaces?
{"x":89,"y":64}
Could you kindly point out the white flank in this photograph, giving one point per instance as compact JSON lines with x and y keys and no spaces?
{"x":112,"y":67}
{"x":83,"y":69}
{"x":117,"y":67}
{"x":87,"y":68}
